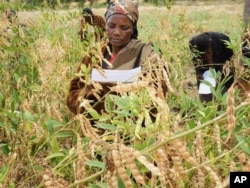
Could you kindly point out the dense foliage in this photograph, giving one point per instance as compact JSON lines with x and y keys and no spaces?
{"x":31,"y":4}
{"x":189,"y":145}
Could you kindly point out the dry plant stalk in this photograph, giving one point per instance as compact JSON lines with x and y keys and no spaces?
{"x":153,"y":181}
{"x":244,"y":162}
{"x":120,"y":158}
{"x":232,"y":166}
{"x":165,"y":72}
{"x":120,"y":168}
{"x":150,"y":166}
{"x":157,"y":97}
{"x":163,"y":164}
{"x":80,"y":170}
{"x":118,"y":163}
{"x":202,"y":158}
{"x":200,"y":178}
{"x":181,"y":147}
{"x":48,"y":108}
{"x":57,"y":114}
{"x":87,"y":129}
{"x":12,"y":171}
{"x":135,"y":86}
{"x":112,"y":173}
{"x":214,"y":176}
{"x":51,"y":181}
{"x":164,"y":161}
{"x":176,"y":124}
{"x":199,"y":151}
{"x":230,"y":112}
{"x":178,"y":152}
{"x":177,"y":162}
{"x":130,"y":163}
{"x":94,"y":89}
{"x":156,"y":91}
{"x":217,"y":137}
{"x":115,"y":163}
{"x":112,"y":179}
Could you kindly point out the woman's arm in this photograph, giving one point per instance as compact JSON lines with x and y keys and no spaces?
{"x":73,"y":102}
{"x":75,"y":90}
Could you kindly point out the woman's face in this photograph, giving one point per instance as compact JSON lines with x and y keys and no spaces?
{"x":119,"y":29}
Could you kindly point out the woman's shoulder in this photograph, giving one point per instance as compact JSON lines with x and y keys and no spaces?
{"x":140,"y":46}
{"x":137,"y":43}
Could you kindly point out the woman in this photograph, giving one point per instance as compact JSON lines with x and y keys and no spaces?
{"x":122,"y":58}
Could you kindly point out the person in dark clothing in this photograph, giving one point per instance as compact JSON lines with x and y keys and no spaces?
{"x":210,"y":54}
{"x":91,"y":24}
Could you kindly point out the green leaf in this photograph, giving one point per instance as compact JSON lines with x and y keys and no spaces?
{"x":201,"y":113}
{"x":5,"y":148}
{"x":185,"y":102}
{"x":121,"y":124}
{"x":211,"y":157}
{"x":38,"y":167}
{"x":146,"y":143}
{"x":12,"y":106}
{"x":95,"y":163}
{"x":100,"y":185}
{"x":244,"y":121}
{"x":93,"y":113}
{"x":28,"y":116}
{"x":54,"y":155}
{"x":191,"y":124}
{"x":122,"y":102}
{"x":54,"y":145}
{"x":3,"y":172}
{"x":120,"y":183}
{"x":138,"y":127}
{"x":11,"y":184}
{"x":245,"y":146}
{"x":106,"y":126}
{"x":63,"y":134}
{"x":51,"y":124}
{"x":109,"y":104}
{"x":3,"y":103}
{"x":93,"y":186}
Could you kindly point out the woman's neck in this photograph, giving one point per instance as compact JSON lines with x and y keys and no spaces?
{"x":115,"y":49}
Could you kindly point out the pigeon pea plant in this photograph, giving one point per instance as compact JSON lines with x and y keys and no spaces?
{"x":184,"y":143}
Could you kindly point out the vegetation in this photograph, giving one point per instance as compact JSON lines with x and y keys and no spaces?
{"x":189,"y":145}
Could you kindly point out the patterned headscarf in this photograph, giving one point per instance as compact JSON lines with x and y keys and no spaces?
{"x":125,"y":7}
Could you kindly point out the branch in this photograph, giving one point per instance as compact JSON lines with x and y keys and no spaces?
{"x":158,"y":145}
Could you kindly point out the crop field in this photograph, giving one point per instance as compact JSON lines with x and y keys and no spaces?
{"x":189,"y":145}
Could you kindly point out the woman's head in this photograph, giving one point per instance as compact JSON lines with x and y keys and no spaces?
{"x":119,"y":30}
{"x":209,"y":49}
{"x":87,"y":12}
{"x":121,"y":20}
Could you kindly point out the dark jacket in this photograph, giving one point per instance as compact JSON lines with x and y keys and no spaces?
{"x":209,"y":50}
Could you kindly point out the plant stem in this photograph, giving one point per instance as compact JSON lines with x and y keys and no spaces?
{"x":157,"y":145}
{"x":86,"y":179}
{"x":216,"y":158}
